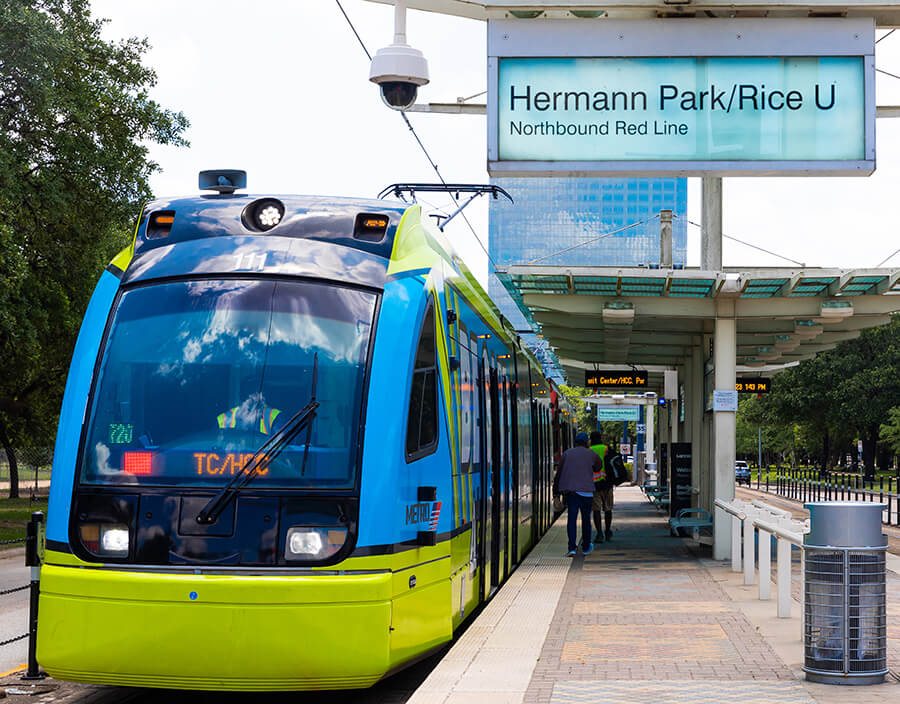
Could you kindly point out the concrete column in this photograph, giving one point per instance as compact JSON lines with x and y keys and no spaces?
{"x":685,"y":378}
{"x":724,"y":354}
{"x":711,"y":232}
{"x":665,"y":239}
{"x":650,"y":439}
{"x":695,"y":411}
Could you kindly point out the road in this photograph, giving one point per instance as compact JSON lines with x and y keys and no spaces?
{"x":13,"y":608}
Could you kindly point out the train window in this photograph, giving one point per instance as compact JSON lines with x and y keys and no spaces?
{"x":421,"y":424}
{"x":197,"y":375}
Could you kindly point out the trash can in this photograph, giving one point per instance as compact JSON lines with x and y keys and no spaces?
{"x":844,"y":600}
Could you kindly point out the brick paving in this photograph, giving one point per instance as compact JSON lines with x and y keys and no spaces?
{"x":642,"y":620}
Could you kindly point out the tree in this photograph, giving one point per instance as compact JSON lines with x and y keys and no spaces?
{"x":890,"y":431}
{"x":585,"y":417}
{"x":75,"y":118}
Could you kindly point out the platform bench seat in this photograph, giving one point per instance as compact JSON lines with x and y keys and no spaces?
{"x":693,"y":518}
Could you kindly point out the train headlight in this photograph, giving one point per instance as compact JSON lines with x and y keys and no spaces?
{"x":313,"y":542}
{"x":114,"y":540}
{"x":106,"y":539}
{"x":263,"y":214}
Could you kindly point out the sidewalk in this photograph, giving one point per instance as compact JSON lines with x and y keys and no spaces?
{"x":645,"y":618}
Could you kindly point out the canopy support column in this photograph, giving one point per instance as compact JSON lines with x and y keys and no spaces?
{"x":724,"y":424}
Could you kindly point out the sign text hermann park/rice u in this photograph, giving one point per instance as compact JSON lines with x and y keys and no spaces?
{"x":692,"y":97}
{"x":682,"y":108}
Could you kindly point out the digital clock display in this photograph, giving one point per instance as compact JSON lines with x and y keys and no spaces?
{"x":752,"y":385}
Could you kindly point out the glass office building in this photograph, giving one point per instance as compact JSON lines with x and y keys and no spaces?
{"x":582,"y":222}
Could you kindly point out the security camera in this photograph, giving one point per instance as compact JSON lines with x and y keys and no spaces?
{"x":399,"y":70}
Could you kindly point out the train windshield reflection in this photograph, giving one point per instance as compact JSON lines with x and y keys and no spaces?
{"x":197,"y":375}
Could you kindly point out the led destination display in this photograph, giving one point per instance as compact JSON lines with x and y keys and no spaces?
{"x":615,"y":379}
{"x":809,"y":108}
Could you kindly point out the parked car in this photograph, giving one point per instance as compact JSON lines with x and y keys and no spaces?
{"x":742,"y":472}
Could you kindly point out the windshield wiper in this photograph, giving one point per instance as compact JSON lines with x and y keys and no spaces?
{"x":266,"y":454}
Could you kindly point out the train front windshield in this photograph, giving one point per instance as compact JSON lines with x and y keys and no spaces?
{"x":197,"y":375}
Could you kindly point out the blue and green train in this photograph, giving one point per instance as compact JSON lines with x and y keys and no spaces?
{"x":298,"y":447}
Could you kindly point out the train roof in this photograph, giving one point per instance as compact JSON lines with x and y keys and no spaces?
{"x":319,"y":218}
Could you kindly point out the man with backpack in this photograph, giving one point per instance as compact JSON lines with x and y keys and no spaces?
{"x":612,"y":473}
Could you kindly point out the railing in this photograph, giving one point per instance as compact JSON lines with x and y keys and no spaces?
{"x":810,"y":485}
{"x":746,"y":519}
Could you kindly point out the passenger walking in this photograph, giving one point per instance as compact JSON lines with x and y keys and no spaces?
{"x":575,"y":481}
{"x":603,"y":489}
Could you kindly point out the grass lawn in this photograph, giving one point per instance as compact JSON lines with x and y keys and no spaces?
{"x":14,"y":517}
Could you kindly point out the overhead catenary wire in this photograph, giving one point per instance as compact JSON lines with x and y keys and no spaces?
{"x":418,"y":140}
{"x":885,"y":36}
{"x":752,"y":246}
{"x":887,"y":258}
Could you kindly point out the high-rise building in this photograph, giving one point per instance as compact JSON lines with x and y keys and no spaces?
{"x":582,"y":222}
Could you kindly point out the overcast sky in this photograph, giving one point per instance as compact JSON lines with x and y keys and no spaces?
{"x":280,"y":90}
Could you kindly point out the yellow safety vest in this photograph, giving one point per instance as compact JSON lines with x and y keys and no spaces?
{"x":600,"y":450}
{"x":228,"y":419}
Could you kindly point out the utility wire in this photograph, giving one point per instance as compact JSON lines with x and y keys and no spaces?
{"x":753,"y":246}
{"x":885,"y":36}
{"x":887,"y":73}
{"x":419,"y":141}
{"x":594,"y":239}
{"x":878,"y":266}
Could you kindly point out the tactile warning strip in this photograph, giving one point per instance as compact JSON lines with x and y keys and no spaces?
{"x":672,"y":692}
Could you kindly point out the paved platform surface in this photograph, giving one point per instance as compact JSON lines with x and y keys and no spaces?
{"x":644,"y":618}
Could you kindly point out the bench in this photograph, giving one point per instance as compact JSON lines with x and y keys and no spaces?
{"x":693,"y":518}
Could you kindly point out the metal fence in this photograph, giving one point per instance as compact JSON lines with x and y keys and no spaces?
{"x":34,"y":552}
{"x":812,"y":485}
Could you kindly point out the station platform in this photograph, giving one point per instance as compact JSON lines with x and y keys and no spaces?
{"x":645,"y":618}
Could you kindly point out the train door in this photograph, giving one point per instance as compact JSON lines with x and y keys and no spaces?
{"x":516,"y":452}
{"x":496,"y":474}
{"x":506,"y":464}
{"x":487,"y":466}
{"x":535,"y":477}
{"x":468,"y":442}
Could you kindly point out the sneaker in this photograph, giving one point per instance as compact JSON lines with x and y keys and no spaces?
{"x":609,"y":535}
{"x":590,"y":549}
{"x":571,"y":553}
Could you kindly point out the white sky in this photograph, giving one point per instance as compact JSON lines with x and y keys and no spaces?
{"x":280,"y":89}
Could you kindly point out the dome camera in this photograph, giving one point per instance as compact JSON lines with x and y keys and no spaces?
{"x":399,"y":70}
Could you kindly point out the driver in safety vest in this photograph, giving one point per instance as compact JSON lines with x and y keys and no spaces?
{"x":249,"y":415}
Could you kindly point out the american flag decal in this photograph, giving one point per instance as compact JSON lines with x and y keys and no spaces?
{"x":435,"y":514}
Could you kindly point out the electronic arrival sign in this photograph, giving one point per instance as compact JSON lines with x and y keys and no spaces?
{"x":752,"y":385}
{"x":725,"y":98}
{"x":615,"y":379}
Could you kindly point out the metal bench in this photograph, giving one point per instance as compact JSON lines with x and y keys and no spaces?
{"x":693,"y":518}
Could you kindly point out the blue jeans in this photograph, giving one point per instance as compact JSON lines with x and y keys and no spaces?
{"x":579,"y":504}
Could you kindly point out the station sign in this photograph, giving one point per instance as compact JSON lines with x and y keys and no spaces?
{"x":700,"y":97}
{"x":753,"y":385}
{"x":615,"y":379}
{"x":617,"y":413}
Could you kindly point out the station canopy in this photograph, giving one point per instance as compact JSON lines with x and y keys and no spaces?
{"x":885,"y":12}
{"x":652,"y":318}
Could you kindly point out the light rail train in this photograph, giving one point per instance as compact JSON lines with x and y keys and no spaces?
{"x":298,"y":447}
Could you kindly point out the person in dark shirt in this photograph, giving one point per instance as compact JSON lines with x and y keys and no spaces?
{"x":575,"y":482}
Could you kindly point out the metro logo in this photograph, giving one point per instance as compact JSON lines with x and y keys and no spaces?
{"x":424,"y":511}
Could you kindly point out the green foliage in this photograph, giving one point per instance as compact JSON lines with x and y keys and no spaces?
{"x":75,"y":119}
{"x":890,"y":431}
{"x":835,"y":398}
{"x":584,"y":415}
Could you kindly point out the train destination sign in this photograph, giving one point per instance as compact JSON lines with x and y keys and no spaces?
{"x":615,"y":379}
{"x":752,"y":385}
{"x":699,"y":113}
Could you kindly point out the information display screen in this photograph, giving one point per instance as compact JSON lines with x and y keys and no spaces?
{"x":753,"y":385}
{"x":615,"y":379}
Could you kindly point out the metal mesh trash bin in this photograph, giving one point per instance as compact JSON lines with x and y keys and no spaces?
{"x":844,"y":601}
